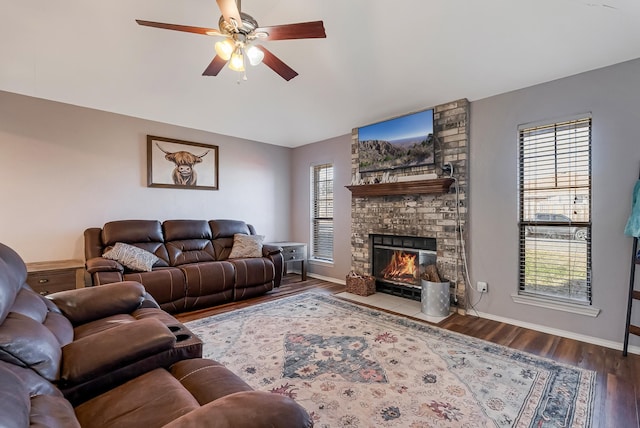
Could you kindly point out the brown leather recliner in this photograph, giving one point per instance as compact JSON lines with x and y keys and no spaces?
{"x":86,"y":341}
{"x":106,"y":357}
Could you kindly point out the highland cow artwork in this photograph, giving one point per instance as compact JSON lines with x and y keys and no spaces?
{"x":403,"y":142}
{"x":181,"y":164}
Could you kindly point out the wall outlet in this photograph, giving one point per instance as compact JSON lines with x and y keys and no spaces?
{"x":482,"y":287}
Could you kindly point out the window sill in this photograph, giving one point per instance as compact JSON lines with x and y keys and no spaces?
{"x":558,"y":306}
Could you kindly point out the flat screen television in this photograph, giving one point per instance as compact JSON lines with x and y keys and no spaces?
{"x":403,"y":142}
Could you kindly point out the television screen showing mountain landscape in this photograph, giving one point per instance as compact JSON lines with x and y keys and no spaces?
{"x":397,"y":143}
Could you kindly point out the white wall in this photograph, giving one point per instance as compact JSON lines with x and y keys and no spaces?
{"x":65,"y":168}
{"x":611,"y":94}
{"x":338,"y":152}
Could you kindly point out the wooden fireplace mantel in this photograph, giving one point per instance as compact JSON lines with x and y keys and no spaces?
{"x":433,"y":186}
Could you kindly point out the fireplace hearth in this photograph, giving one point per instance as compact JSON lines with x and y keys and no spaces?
{"x":398,"y":263}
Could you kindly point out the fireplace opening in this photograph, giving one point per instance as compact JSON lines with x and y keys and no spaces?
{"x":399,"y":261}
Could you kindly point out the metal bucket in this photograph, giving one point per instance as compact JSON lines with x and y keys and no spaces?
{"x":435,"y":298}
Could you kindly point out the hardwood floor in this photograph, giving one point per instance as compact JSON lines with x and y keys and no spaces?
{"x":617,"y":397}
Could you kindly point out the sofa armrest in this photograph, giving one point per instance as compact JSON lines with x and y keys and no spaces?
{"x":82,"y":305}
{"x":274,"y":253}
{"x":256,"y":409}
{"x":269,"y":250}
{"x":110,"y":349}
{"x":100,"y":264}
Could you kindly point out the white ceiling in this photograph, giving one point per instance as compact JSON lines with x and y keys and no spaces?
{"x":381,"y":58}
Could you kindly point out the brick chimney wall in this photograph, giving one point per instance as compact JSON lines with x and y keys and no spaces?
{"x":420,"y":215}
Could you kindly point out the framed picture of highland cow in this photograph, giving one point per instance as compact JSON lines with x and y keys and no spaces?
{"x":181,"y":164}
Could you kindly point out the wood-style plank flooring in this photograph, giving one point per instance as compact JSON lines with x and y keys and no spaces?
{"x":617,"y":398}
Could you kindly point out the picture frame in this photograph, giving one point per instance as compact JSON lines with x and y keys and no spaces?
{"x":179,"y":164}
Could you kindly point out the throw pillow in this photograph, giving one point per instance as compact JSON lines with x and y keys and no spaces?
{"x":245,"y":246}
{"x":131,"y":256}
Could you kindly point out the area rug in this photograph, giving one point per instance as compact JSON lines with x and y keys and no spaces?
{"x":352,"y":366}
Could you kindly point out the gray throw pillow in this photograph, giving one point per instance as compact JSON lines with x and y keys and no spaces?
{"x":245,"y":246}
{"x":132,"y":257}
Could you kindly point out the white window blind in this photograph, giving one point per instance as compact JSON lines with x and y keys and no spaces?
{"x":322,"y":207}
{"x":555,"y":211}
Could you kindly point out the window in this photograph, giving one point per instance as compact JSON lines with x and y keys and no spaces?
{"x":322,"y":212}
{"x":555,"y":211}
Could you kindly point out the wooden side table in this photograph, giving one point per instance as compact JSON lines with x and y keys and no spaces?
{"x":294,"y":252}
{"x":53,"y":276}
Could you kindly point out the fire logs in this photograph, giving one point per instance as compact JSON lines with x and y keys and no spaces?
{"x":431,"y":273}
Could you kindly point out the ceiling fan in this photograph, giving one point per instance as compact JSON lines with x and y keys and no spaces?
{"x":240,"y":32}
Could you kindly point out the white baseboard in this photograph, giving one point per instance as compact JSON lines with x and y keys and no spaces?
{"x":562,"y":333}
{"x":322,"y":277}
{"x":328,"y":278}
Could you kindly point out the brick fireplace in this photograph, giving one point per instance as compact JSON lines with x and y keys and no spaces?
{"x":417,"y":214}
{"x":399,"y":262}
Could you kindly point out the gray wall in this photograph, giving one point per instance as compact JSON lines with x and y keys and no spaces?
{"x":611,"y":94}
{"x":65,"y":168}
{"x":337,"y":151}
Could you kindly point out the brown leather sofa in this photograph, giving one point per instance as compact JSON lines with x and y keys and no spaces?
{"x":194,"y":270}
{"x":109,"y":357}
{"x":89,"y":340}
{"x":190,"y":394}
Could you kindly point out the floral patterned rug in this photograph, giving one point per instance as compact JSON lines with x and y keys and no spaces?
{"x":352,"y":366}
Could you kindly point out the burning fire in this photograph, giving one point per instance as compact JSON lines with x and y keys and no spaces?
{"x":401,"y":265}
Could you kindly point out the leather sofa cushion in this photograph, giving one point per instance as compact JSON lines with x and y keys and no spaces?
{"x":52,"y":412}
{"x":26,"y":342}
{"x":60,"y":327}
{"x":190,"y":251}
{"x":87,"y":304}
{"x":14,"y":265}
{"x":151,"y":400}
{"x":145,"y":234}
{"x":14,"y":400}
{"x":130,"y":231}
{"x":247,"y":409}
{"x":208,"y":380}
{"x":10,"y":282}
{"x":166,"y":285}
{"x":107,"y":350}
{"x":31,"y":380}
{"x":177,"y":230}
{"x":251,"y":272}
{"x":101,"y":324}
{"x":228,"y":228}
{"x":30,"y":304}
{"x":208,"y":278}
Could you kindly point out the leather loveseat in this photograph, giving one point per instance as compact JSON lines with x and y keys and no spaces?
{"x":109,"y":357}
{"x":193,"y":269}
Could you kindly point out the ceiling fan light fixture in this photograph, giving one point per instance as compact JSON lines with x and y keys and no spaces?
{"x":237,"y":60}
{"x":254,"y":55}
{"x":224,"y":49}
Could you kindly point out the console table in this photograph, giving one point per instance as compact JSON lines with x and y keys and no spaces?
{"x":294,"y":252}
{"x":53,"y":276}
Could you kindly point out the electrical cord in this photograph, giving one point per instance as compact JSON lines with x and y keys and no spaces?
{"x":465,"y":275}
{"x":447,"y":168}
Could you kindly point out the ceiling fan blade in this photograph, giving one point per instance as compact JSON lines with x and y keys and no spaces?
{"x":229,"y":9}
{"x":214,"y":67}
{"x":301,"y":30}
{"x":274,"y":63}
{"x":185,"y":28}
